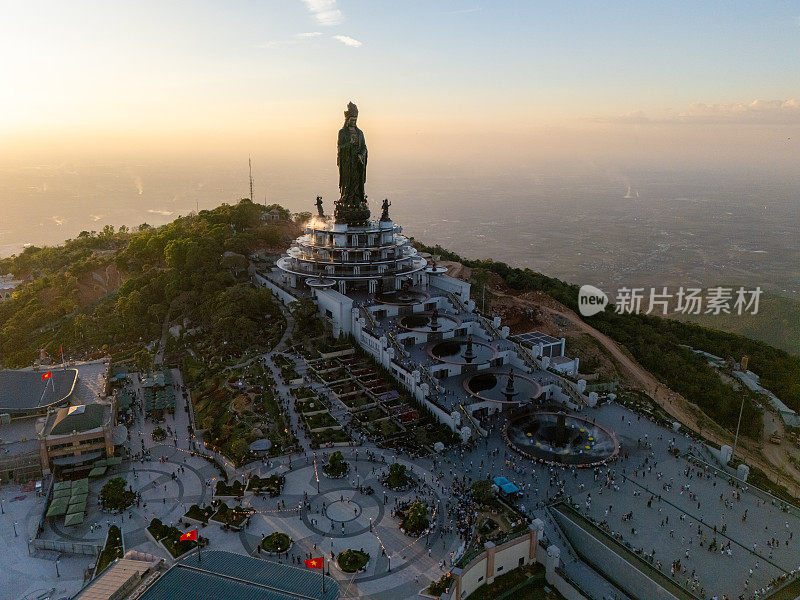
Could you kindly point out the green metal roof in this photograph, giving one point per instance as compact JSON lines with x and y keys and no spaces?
{"x":60,"y":485}
{"x":62,"y":493}
{"x":98,"y":471}
{"x":57,"y":508}
{"x":78,"y":418}
{"x":224,"y":575}
{"x":74,"y":519}
{"x":79,"y":497}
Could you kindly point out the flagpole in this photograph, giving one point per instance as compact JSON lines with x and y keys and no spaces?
{"x":199,"y":556}
{"x":323,"y":573}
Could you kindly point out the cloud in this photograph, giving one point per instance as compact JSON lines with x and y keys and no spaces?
{"x":348,"y":41}
{"x":324,"y":12}
{"x":757,"y":112}
{"x":297,"y":38}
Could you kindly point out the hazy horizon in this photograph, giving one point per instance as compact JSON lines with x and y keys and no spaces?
{"x":530,"y":119}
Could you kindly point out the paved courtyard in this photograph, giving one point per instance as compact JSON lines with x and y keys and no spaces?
{"x":653,"y":501}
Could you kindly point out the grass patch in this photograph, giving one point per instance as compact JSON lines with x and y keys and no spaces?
{"x":112,"y":549}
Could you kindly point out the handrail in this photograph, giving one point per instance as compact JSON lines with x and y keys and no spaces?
{"x":475,"y":426}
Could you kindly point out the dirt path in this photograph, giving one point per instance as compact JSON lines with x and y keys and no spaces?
{"x":673,"y":403}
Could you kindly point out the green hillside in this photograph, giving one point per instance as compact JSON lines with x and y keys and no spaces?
{"x":195,"y":268}
{"x":777,"y":323}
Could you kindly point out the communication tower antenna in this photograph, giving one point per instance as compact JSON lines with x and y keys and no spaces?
{"x":250,"y":164}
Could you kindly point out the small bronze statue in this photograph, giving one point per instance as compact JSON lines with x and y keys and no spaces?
{"x":385,"y":213}
{"x":319,"y":207}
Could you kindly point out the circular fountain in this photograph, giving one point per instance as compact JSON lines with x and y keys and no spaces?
{"x":461,"y":351}
{"x":401,"y":297}
{"x":562,"y":439}
{"x":502,"y":387}
{"x":428,"y":322}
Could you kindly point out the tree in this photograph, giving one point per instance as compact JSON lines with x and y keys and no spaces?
{"x":336,"y":467}
{"x":416,"y":520}
{"x":238,"y":449}
{"x":301,"y":217}
{"x":397,"y":478}
{"x":482,"y":491}
{"x":114,"y":496}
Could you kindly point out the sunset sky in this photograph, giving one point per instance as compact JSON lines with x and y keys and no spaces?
{"x":128,"y":76}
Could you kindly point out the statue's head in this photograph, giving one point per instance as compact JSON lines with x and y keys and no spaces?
{"x":351,"y":114}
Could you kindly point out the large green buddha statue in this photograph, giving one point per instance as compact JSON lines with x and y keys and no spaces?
{"x":351,"y":157}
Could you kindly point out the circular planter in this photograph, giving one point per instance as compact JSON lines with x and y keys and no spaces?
{"x":361,"y":570}
{"x":274,"y":552}
{"x":342,"y":476}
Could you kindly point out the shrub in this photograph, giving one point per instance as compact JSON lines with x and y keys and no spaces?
{"x":351,"y":561}
{"x":276,"y":542}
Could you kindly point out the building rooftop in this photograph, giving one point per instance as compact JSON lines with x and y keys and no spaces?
{"x":131,"y":567}
{"x":224,"y":575}
{"x":533,"y":338}
{"x":76,"y":418}
{"x":24,"y":391}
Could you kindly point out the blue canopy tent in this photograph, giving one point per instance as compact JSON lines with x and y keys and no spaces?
{"x":505,"y":486}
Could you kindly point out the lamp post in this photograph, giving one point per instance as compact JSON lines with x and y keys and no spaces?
{"x":57,"y":573}
{"x":15,"y":529}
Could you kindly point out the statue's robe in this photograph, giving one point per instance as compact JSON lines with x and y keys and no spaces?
{"x":352,"y":172}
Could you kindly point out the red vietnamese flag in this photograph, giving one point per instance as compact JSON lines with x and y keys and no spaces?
{"x":314,"y":563}
{"x":189,"y":536}
{"x":47,"y":375}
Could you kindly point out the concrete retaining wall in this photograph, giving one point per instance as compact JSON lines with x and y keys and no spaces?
{"x":617,"y":569}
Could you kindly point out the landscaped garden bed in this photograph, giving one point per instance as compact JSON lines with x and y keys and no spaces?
{"x":320,"y":420}
{"x":371,"y":415}
{"x":440,"y":586}
{"x":235,"y":489}
{"x":199,"y":514}
{"x":310,"y":405}
{"x":303,"y":392}
{"x":112,"y":550}
{"x":289,"y":373}
{"x":232,"y":517}
{"x":352,"y":561}
{"x":357,"y":402}
{"x":276,"y":543}
{"x":169,"y":536}
{"x":273,"y":484}
{"x":328,"y":436}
